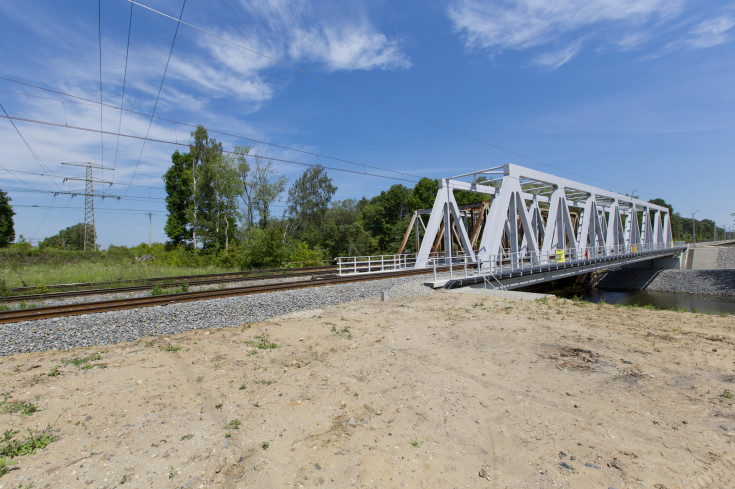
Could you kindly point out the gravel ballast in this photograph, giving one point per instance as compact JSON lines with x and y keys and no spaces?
{"x":131,"y":324}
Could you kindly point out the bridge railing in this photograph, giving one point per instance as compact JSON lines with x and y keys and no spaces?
{"x":530,"y":262}
{"x":379,"y":263}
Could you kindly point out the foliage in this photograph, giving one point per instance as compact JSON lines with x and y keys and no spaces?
{"x":302,"y":255}
{"x":36,"y":440}
{"x":7,"y":231}
{"x":264,"y":248}
{"x":308,"y":200}
{"x":71,"y":238}
{"x":268,"y":187}
{"x":178,"y":184}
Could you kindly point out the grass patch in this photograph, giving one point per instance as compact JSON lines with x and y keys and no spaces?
{"x":81,"y":361}
{"x":263,"y":343}
{"x":37,"y":440}
{"x":180,"y":289}
{"x":23,"y":407}
{"x":727,"y":394}
{"x":234,"y":424}
{"x":54,"y":372}
{"x":4,"y":466}
{"x":170,"y":347}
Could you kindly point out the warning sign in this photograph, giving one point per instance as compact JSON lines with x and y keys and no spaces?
{"x":559,"y":256}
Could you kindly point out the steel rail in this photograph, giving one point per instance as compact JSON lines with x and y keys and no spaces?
{"x":31,"y":314}
{"x":137,"y":288}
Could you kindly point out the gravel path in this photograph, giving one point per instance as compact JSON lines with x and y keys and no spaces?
{"x":128,"y":325}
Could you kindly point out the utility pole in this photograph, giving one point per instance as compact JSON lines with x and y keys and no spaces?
{"x":90,"y":234}
{"x":694,"y":235}
{"x":150,"y":227}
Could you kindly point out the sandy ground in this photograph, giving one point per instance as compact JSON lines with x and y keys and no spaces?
{"x":433,"y":392}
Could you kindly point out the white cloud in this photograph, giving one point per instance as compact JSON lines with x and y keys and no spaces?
{"x":347,"y":48}
{"x":555,"y":59}
{"x":498,"y":25}
{"x":711,"y":32}
{"x":343,"y":40}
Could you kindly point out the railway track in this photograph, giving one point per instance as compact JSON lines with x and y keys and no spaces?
{"x":190,"y":280}
{"x":31,"y":314}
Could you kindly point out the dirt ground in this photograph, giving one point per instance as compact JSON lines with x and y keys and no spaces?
{"x":449,"y":390}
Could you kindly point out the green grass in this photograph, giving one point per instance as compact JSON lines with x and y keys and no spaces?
{"x":727,"y":394}
{"x":171,"y":348}
{"x":4,"y":466}
{"x":263,"y":343}
{"x":23,"y":407}
{"x":44,"y":274}
{"x":82,"y":361}
{"x":234,"y":424}
{"x":37,"y":440}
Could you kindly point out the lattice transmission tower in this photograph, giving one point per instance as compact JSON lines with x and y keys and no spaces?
{"x":90,"y":229}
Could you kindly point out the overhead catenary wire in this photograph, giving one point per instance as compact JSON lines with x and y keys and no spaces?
{"x":33,"y":153}
{"x":122,"y":98}
{"x":215,"y":131}
{"x":368,"y":97}
{"x":102,"y":135}
{"x":160,"y":88}
{"x":7,"y":170}
{"x":174,"y":143}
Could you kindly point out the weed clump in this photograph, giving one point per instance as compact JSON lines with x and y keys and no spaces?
{"x":23,"y":407}
{"x":37,"y":440}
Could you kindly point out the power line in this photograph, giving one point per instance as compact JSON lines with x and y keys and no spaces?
{"x":366,"y":96}
{"x":281,"y":160}
{"x":2,"y":168}
{"x":33,"y":153}
{"x":99,"y":30}
{"x":215,"y":131}
{"x":160,"y":88}
{"x":125,"y":78}
{"x":103,"y":196}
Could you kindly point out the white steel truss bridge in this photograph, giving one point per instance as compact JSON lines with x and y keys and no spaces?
{"x":537,"y":227}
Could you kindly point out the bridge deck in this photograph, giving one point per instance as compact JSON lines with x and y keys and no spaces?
{"x":525,"y":274}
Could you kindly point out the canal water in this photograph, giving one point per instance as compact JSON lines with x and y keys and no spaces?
{"x":712,"y":304}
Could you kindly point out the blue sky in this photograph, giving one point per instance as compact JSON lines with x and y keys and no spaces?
{"x":625,"y":95}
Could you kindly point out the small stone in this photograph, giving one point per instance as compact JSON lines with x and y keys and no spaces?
{"x":351,"y":422}
{"x":565,"y":465}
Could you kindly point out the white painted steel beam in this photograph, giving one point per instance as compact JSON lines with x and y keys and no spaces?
{"x":514,"y":228}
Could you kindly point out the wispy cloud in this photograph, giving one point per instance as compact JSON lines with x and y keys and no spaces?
{"x":712,"y":32}
{"x":499,"y":25}
{"x":341,"y":40}
{"x":555,"y":59}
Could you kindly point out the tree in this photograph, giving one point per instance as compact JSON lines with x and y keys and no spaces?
{"x":343,"y":233}
{"x":308,"y":200}
{"x":226,"y":187}
{"x":203,"y":152}
{"x":7,"y":231}
{"x":247,"y":185}
{"x":267,"y":188}
{"x":178,"y":184}
{"x":425,"y":193}
{"x":71,"y":238}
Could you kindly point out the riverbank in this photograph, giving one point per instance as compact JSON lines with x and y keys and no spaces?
{"x":710,"y":282}
{"x":446,"y":390}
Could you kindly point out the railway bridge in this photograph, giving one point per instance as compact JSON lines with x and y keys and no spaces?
{"x":528,"y":227}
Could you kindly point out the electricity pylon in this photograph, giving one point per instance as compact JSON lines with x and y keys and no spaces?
{"x":90,"y":234}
